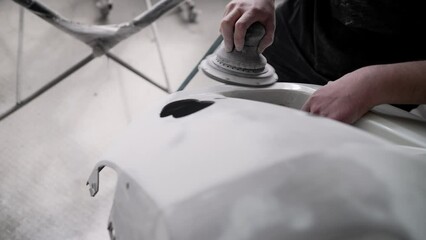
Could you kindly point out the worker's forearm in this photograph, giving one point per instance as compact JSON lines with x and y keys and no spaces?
{"x":399,"y":83}
{"x":351,"y":96}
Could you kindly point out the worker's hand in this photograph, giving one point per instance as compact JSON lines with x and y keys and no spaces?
{"x":240,"y":15}
{"x":346,"y":99}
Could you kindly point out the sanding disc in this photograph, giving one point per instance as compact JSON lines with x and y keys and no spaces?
{"x":230,"y":74}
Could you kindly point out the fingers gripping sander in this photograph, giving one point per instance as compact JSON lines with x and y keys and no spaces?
{"x":244,"y":68}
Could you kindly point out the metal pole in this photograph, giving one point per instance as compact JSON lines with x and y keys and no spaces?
{"x":100,"y":37}
{"x":194,"y":71}
{"x":48,"y":86}
{"x":19,"y":56}
{"x":159,"y":49}
{"x":135,"y":71}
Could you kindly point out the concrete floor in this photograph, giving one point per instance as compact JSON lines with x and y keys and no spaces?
{"x":49,"y":147}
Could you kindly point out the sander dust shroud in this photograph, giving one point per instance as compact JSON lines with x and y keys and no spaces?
{"x":244,"y":68}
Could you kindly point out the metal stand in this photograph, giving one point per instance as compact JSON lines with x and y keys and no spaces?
{"x":101,"y":38}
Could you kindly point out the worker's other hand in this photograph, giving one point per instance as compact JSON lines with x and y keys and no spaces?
{"x":240,"y":15}
{"x":346,"y":99}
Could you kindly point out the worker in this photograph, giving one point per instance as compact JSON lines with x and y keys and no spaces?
{"x":364,"y":52}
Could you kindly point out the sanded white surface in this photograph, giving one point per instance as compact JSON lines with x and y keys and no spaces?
{"x":242,"y":169}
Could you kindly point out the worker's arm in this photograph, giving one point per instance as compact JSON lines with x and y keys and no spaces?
{"x":351,"y":96}
{"x":240,"y":15}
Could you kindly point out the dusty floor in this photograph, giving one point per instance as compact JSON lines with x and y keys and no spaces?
{"x":48,"y":148}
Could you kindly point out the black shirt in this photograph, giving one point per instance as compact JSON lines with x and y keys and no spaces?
{"x":339,"y":36}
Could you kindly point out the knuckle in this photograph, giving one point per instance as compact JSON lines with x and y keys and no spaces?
{"x":262,"y":11}
{"x":225,"y":23}
{"x":256,"y":10}
{"x":240,"y":26}
{"x":240,"y":9}
{"x":231,"y":5}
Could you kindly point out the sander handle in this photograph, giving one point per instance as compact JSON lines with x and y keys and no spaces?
{"x":254,"y":35}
